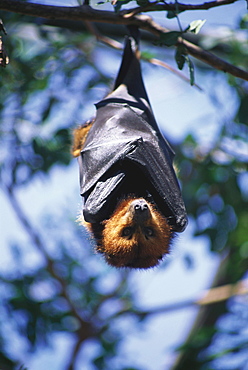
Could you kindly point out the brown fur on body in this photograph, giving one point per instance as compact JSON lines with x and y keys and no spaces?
{"x":79,"y":137}
{"x":128,"y":238}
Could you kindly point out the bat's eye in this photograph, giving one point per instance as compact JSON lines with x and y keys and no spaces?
{"x":148,"y":232}
{"x":127,"y":231}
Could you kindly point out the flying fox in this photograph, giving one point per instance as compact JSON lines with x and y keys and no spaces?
{"x":132,"y":202}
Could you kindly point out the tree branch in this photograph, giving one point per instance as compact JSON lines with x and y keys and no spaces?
{"x":211,"y":296}
{"x":32,"y":8}
{"x":86,"y":13}
{"x":85,"y":326}
{"x":117,"y":45}
{"x":157,"y":6}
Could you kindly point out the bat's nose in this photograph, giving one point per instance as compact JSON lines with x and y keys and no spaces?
{"x":140,"y":210}
{"x":140,"y":205}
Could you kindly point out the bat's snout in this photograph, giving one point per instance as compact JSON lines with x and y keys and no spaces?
{"x":140,"y":210}
{"x":140,"y":205}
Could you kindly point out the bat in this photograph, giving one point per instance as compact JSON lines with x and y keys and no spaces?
{"x":132,"y":203}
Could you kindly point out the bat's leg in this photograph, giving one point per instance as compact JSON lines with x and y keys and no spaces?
{"x":79,"y":137}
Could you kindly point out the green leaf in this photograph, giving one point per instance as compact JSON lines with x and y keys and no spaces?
{"x":180,"y":59}
{"x":195,"y":26}
{"x":169,"y":38}
{"x":142,"y":2}
{"x":244,"y":22}
{"x":119,"y":3}
{"x":172,"y":14}
{"x":50,"y":105}
{"x":242,"y":114}
{"x":147,"y":55}
{"x":191,"y":70}
{"x":180,"y":56}
{"x":99,"y":362}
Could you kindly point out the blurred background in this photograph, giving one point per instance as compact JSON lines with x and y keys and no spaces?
{"x":61,"y":306}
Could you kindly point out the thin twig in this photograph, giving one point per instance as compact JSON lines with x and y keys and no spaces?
{"x":4,"y":60}
{"x":40,"y":245}
{"x":86,"y":13}
{"x":118,"y":46}
{"x":104,"y":39}
{"x":163,"y":64}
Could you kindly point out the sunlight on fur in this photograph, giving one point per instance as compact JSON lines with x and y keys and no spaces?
{"x":128,"y":242}
{"x":143,"y":246}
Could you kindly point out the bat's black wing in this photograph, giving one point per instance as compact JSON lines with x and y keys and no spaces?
{"x":125,"y":152}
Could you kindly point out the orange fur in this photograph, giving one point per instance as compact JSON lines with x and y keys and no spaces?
{"x":138,"y":251}
{"x":79,"y":137}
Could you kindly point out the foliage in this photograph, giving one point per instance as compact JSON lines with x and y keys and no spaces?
{"x":41,"y":99}
{"x":218,"y":177}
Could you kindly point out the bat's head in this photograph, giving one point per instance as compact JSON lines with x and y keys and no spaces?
{"x":136,"y":235}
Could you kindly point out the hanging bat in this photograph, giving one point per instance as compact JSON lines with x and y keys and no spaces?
{"x":132,"y":202}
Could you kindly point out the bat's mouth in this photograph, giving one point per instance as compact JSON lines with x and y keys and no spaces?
{"x":137,"y":262}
